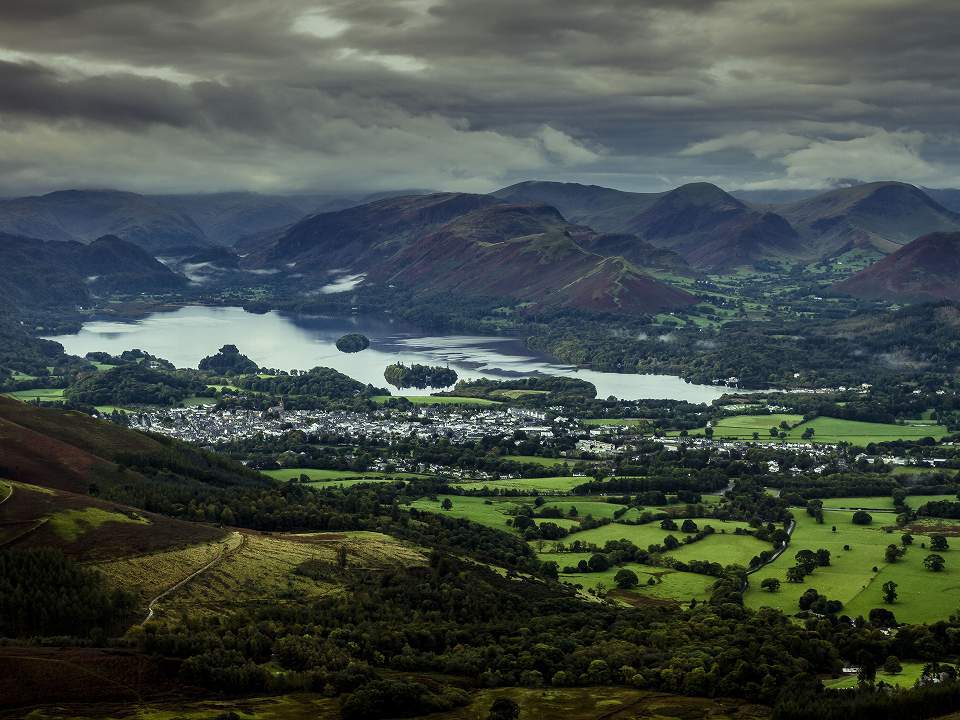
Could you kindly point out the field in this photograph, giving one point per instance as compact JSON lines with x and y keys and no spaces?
{"x":882,"y":503}
{"x":546,"y":486}
{"x":435,"y":400}
{"x":589,"y":703}
{"x":42,"y":394}
{"x":911,"y":673}
{"x":671,"y":585}
{"x":491,"y":512}
{"x":723,"y":547}
{"x":826,"y":430}
{"x":923,"y":595}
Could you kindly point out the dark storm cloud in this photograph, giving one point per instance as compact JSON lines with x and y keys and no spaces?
{"x":214,"y":94}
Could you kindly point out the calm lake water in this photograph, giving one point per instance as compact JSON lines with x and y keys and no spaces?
{"x":187,"y":335}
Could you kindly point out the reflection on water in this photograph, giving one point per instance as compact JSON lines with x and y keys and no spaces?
{"x":272,"y":340}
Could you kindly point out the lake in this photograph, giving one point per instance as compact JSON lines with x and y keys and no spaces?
{"x":187,"y":335}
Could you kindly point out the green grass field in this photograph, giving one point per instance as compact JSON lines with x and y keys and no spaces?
{"x":882,"y":503}
{"x":43,"y":394}
{"x":491,"y":512}
{"x":546,"y":485}
{"x":319,"y":474}
{"x":911,"y":673}
{"x":436,"y":400}
{"x":72,"y":524}
{"x":723,"y":547}
{"x":826,"y":430}
{"x":538,"y":460}
{"x":923,"y":595}
{"x":673,"y":585}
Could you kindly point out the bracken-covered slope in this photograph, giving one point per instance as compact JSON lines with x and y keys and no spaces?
{"x":471,"y":244}
{"x":926,"y":269}
{"x":53,"y":459}
{"x":883,"y":216}
{"x":37,"y":272}
{"x":528,"y":252}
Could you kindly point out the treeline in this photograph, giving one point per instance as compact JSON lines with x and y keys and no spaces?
{"x":43,"y":594}
{"x":320,"y":382}
{"x":135,"y":384}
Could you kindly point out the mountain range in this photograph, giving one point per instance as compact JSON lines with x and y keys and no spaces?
{"x":544,"y":243}
{"x":51,"y":272}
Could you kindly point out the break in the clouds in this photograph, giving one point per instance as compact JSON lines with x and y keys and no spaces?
{"x":203,"y":95}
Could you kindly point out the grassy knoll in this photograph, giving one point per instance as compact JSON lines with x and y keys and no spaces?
{"x":911,"y":673}
{"x":269,"y":569}
{"x":150,"y":574}
{"x":538,"y":460}
{"x":545,"y":485}
{"x":924,"y":596}
{"x":323,"y":474}
{"x":72,"y":524}
{"x":42,"y":394}
{"x":435,"y":400}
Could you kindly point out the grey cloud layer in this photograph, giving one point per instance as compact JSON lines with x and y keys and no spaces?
{"x":364,"y":94}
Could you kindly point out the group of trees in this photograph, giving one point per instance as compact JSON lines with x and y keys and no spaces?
{"x":419,"y":376}
{"x":228,"y":361}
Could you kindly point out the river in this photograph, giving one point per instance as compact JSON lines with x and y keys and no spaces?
{"x":273,"y":340}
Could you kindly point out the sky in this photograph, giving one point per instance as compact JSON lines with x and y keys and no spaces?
{"x":471,"y":95}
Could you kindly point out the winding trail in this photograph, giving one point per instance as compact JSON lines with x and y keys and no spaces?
{"x":224,"y":553}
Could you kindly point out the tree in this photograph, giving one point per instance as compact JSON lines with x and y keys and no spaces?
{"x":771,"y":585}
{"x":689,"y":526}
{"x":934,"y":563}
{"x":671,"y":543}
{"x":892,"y":553}
{"x":861,"y":517}
{"x":906,"y":539}
{"x":889,"y":592}
{"x":795,"y":574}
{"x":550,"y":570}
{"x":939,"y":543}
{"x":505,"y":708}
{"x":892,"y":666}
{"x":342,"y":557}
{"x":598,"y":562}
{"x":626,"y":579}
{"x":823,"y":557}
{"x":668,"y":524}
{"x":447,"y":504}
